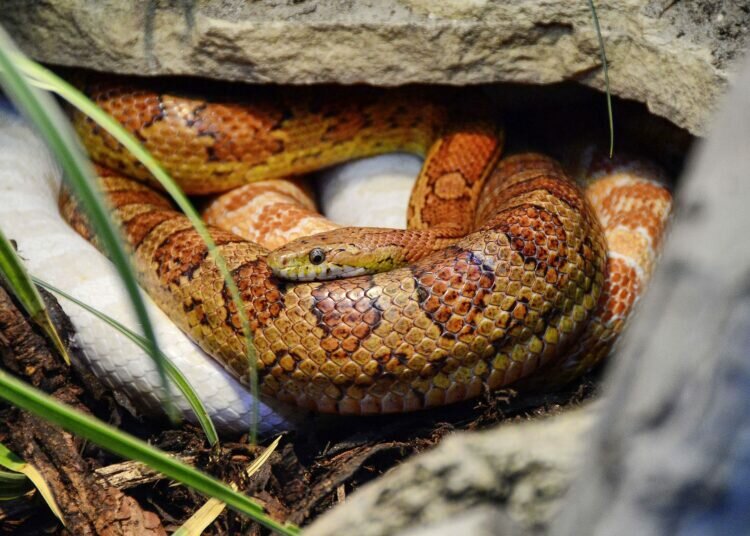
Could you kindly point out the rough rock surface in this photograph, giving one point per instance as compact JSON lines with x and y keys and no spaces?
{"x":671,"y":453}
{"x":517,"y":472}
{"x":673,"y":55}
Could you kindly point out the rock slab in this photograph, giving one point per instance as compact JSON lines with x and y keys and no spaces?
{"x":515,"y":474}
{"x":673,"y":56}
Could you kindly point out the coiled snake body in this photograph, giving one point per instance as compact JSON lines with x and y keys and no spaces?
{"x":505,"y":272}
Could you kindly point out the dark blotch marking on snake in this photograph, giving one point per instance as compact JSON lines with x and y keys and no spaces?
{"x":536,"y":234}
{"x":457,"y":291}
{"x":138,"y":228}
{"x":263,"y":299}
{"x":182,"y":252}
{"x":345,"y":322}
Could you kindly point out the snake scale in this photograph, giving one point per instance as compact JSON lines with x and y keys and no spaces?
{"x":509,"y":272}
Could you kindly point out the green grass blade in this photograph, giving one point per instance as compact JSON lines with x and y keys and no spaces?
{"x":605,"y":65}
{"x":14,"y":463}
{"x":172,"y":371}
{"x":13,"y":486}
{"x":19,"y":282}
{"x":44,"y":113}
{"x":45,"y":78}
{"x":30,"y":399}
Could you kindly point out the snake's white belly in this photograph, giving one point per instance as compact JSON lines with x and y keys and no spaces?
{"x":384,"y":182}
{"x":52,"y":251}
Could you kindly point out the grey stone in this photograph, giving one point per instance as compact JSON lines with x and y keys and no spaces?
{"x":479,"y":521}
{"x":671,"y":454}
{"x":674,"y":56}
{"x":514,"y":475}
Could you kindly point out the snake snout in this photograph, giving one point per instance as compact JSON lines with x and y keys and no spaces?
{"x":303,"y":261}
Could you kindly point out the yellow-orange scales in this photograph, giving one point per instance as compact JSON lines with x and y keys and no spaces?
{"x":514,"y":272}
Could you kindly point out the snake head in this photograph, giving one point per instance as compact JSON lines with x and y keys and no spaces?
{"x":345,"y":252}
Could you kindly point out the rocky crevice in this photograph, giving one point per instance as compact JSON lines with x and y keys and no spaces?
{"x":675,"y":56}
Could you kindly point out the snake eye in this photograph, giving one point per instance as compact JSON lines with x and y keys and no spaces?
{"x":317,"y":255}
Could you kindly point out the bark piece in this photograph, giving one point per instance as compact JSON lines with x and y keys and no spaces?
{"x":88,"y":503}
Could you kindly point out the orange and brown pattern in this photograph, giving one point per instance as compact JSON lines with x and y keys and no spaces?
{"x":270,"y":213}
{"x":631,"y":201}
{"x":250,"y":134}
{"x":513,"y":293}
